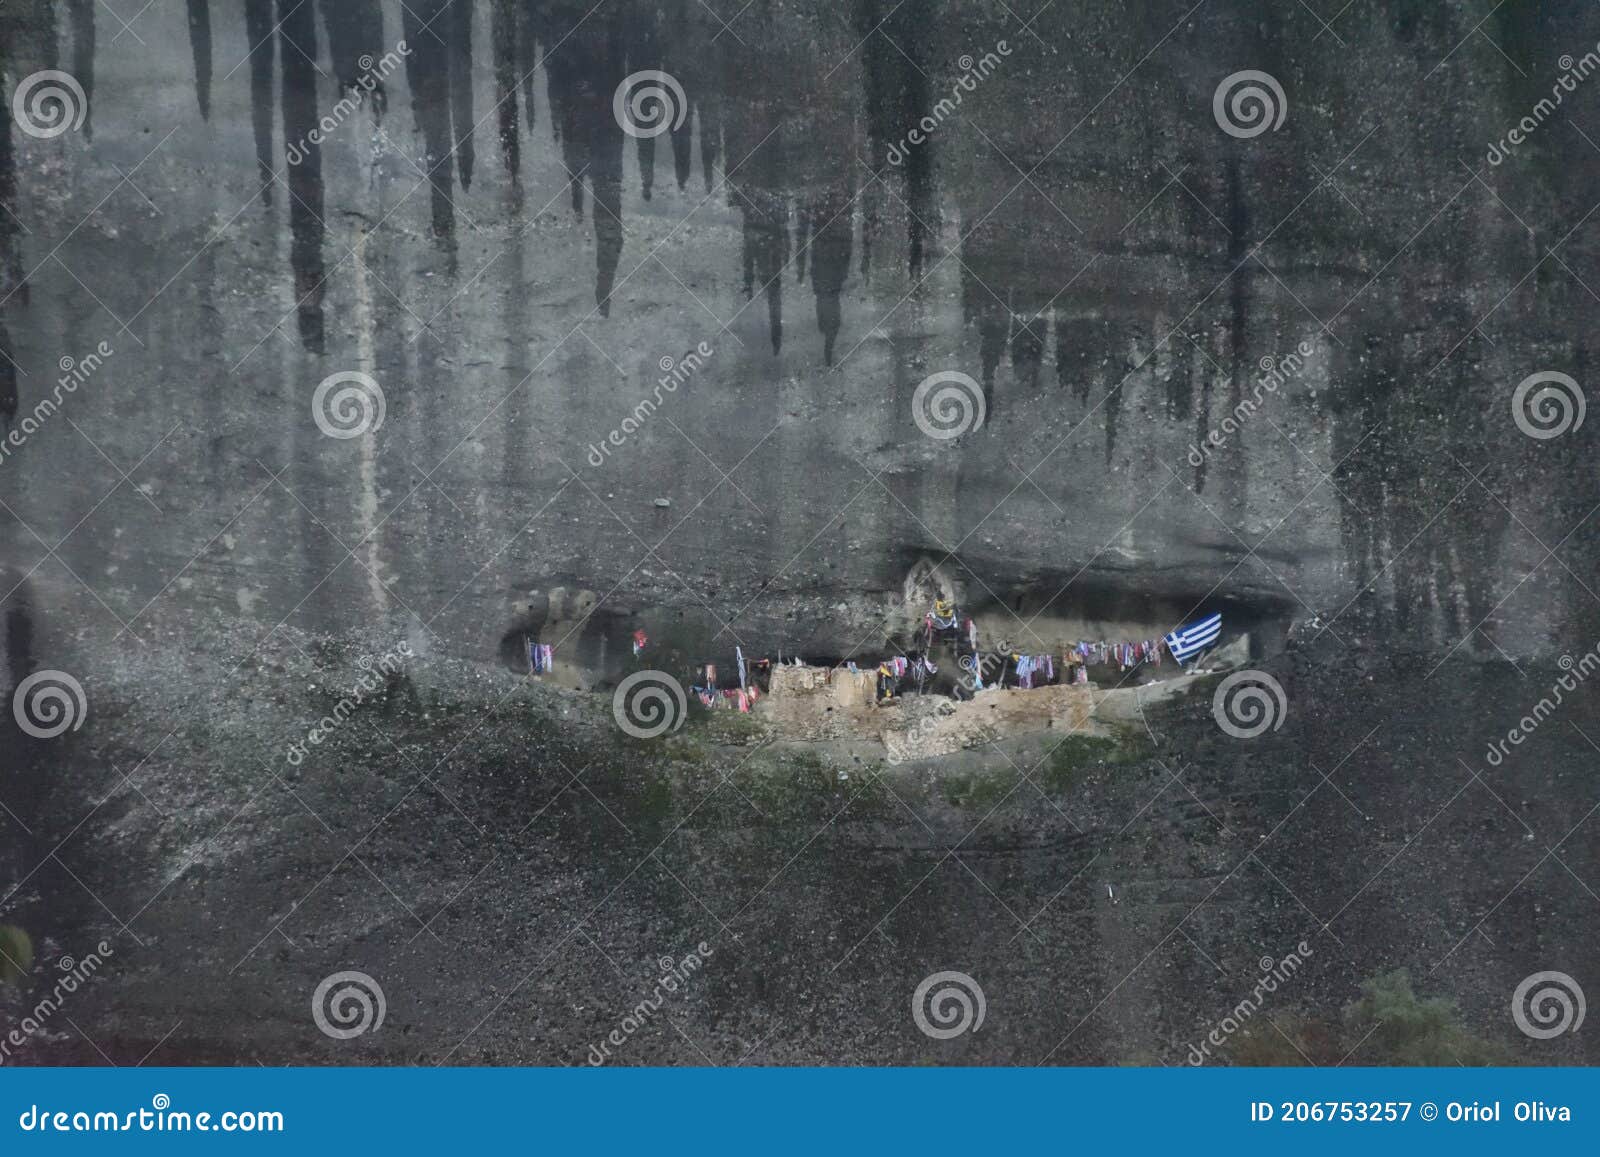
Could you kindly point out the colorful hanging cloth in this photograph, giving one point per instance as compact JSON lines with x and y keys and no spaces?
{"x":541,"y":657}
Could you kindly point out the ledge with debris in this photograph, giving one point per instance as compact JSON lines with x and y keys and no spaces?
{"x":818,"y":703}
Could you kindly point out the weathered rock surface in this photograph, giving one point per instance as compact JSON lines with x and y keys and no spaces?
{"x":518,"y":276}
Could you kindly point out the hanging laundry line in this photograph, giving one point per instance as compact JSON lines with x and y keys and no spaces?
{"x":1035,"y":668}
{"x":715,"y":699}
{"x":1021,"y":671}
{"x":1124,"y":655}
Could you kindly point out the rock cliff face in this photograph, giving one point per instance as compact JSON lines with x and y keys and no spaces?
{"x":515,"y":317}
{"x":326,"y":326}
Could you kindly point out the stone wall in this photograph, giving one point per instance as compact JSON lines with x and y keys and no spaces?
{"x":815,"y":703}
{"x":926,"y":728}
{"x":821,"y":703}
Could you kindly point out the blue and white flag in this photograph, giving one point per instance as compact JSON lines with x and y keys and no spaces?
{"x":1186,"y":642}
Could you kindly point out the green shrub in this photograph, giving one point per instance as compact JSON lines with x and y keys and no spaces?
{"x":16,"y":954}
{"x":1410,"y":1030}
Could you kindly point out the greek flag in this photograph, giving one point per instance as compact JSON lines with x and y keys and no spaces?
{"x":1187,"y":642}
